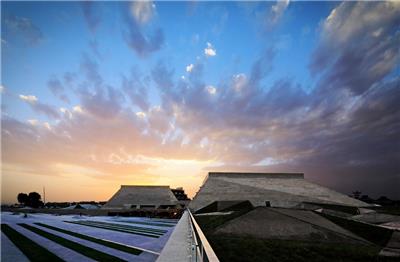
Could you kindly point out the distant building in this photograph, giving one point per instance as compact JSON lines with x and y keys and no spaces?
{"x":182,"y":197}
{"x":143,"y":197}
{"x":83,"y":206}
{"x":266,"y":189}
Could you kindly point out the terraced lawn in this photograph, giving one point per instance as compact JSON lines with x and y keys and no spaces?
{"x":158,"y":224}
{"x":46,"y":237}
{"x":148,"y":232}
{"x":84,"y":250}
{"x":106,"y":243}
{"x":31,"y":250}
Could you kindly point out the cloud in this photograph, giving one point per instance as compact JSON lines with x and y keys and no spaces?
{"x":239,"y":82}
{"x":92,"y":18}
{"x":342,"y":133}
{"x":189,"y":68}
{"x":143,"y":11}
{"x":276,"y":12}
{"x":135,"y":87}
{"x":141,"y":114}
{"x":98,"y":98}
{"x":33,"y":122}
{"x":39,"y":107}
{"x":77,"y":109}
{"x":57,"y":88}
{"x":142,"y":43}
{"x":24,"y":28}
{"x":211,"y":89}
{"x":358,"y":45}
{"x":210,"y":50}
{"x":28,"y":98}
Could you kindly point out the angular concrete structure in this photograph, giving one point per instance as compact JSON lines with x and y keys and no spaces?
{"x":264,"y":189}
{"x":289,"y":224}
{"x":128,"y":197}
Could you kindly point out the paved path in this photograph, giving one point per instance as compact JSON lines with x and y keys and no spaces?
{"x":178,"y":245}
{"x":13,"y":254}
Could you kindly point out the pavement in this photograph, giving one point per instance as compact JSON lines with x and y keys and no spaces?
{"x":178,"y":247}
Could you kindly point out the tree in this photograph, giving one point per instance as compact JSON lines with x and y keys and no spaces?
{"x":23,"y":198}
{"x":356,"y":194}
{"x":34,"y":199}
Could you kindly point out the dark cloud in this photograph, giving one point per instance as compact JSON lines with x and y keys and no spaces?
{"x":57,"y":88}
{"x":91,"y":16}
{"x":24,"y":28}
{"x":142,"y":43}
{"x":356,"y":50}
{"x":39,"y":107}
{"x":136,"y":89}
{"x":99,"y":99}
{"x":343,"y":134}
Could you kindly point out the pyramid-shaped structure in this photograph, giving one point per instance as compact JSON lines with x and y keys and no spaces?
{"x":263,"y":189}
{"x":132,"y":196}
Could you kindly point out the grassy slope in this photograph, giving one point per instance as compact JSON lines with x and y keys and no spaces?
{"x":86,"y":251}
{"x":377,"y":235}
{"x":242,"y":248}
{"x":32,"y":251}
{"x":117,"y":246}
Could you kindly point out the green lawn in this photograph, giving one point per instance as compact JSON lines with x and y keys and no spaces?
{"x":377,"y":235}
{"x":84,"y":250}
{"x":32,"y":251}
{"x":158,"y":224}
{"x":142,"y":229}
{"x":232,"y":249}
{"x":113,"y":228}
{"x":106,"y":243}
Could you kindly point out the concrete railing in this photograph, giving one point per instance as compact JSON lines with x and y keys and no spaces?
{"x":201,"y":249}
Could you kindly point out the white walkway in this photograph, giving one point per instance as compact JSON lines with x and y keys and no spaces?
{"x":178,"y":246}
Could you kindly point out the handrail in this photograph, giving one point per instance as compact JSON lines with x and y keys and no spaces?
{"x":203,"y":249}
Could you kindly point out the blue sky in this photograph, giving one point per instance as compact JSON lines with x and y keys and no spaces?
{"x":287,"y":86}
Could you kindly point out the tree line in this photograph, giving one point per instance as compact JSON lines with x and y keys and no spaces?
{"x":33,"y":199}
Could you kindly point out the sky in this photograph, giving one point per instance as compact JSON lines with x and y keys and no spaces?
{"x":99,"y":94}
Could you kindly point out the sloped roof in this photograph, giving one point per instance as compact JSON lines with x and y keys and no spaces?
{"x":82,"y":206}
{"x":280,"y":189}
{"x":141,"y":195}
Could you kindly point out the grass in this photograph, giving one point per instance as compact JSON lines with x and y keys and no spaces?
{"x":158,"y":224}
{"x":106,"y":243}
{"x":118,"y":229}
{"x":229,"y":248}
{"x":209,"y":223}
{"x":31,"y":250}
{"x":86,"y":251}
{"x":142,"y":229}
{"x":375,"y":234}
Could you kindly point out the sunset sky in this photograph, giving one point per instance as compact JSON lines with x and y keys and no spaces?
{"x":99,"y":94}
